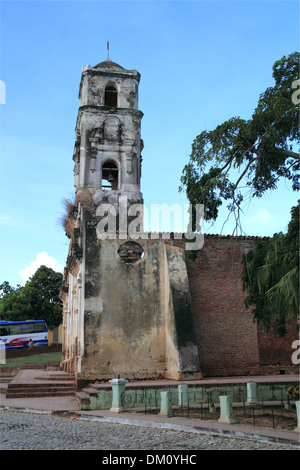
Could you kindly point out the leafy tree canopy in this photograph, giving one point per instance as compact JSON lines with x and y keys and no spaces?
{"x":6,"y":288}
{"x":271,"y":277}
{"x":37,"y":300}
{"x":245,"y":158}
{"x":254,"y":153}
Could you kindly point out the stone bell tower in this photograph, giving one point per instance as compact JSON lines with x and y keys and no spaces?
{"x":126,"y":300}
{"x":108,"y":135}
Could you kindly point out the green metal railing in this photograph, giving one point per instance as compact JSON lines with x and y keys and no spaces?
{"x":269,"y":413}
{"x":273,"y":405}
{"x":141,"y":399}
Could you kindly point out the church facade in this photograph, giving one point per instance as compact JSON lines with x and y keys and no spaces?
{"x":134,"y":305}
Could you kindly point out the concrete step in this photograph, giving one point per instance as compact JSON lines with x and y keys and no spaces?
{"x":5,"y":379}
{"x":57,"y":377}
{"x":3,"y":388}
{"x":35,"y":393}
{"x":90,"y":391}
{"x":39,"y":383}
{"x":83,"y":398}
{"x":39,"y":390}
{"x":7,"y":373}
{"x":46,"y":366}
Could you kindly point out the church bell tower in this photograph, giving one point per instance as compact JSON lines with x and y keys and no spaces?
{"x":108,"y":144}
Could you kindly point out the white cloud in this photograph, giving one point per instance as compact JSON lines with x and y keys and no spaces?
{"x":263,"y":217}
{"x":261,"y":223}
{"x":41,"y":259}
{"x":6,"y":220}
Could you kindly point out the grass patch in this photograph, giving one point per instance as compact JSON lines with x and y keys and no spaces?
{"x":53,"y":357}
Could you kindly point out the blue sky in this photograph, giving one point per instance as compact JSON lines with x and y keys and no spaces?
{"x":201,"y":62}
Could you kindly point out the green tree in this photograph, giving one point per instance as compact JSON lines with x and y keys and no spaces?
{"x":271,"y":277}
{"x":242,"y":159}
{"x":6,"y":288}
{"x":251,"y":154}
{"x":37,"y":300}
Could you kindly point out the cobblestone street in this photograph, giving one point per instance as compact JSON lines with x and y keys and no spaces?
{"x":35,"y":431}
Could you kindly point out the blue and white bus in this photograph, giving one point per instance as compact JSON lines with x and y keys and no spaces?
{"x":18,"y":334}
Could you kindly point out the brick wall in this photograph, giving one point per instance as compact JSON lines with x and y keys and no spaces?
{"x":274,"y":351}
{"x":229,"y":342}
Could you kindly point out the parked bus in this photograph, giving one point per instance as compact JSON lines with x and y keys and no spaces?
{"x":19,"y":334}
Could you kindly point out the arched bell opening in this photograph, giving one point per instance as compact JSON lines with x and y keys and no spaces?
{"x":111,"y":96}
{"x":110,"y":176}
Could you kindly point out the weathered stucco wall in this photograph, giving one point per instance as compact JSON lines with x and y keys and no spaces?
{"x":132,"y":312}
{"x":123,"y":328}
{"x":181,"y":339}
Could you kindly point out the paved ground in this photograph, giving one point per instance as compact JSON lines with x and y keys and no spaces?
{"x":36,"y":431}
{"x":57,"y":423}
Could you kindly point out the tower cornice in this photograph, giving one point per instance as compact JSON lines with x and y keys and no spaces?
{"x":110,"y":111}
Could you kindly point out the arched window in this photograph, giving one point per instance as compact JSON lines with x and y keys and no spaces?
{"x":110,"y":176}
{"x":111,"y":96}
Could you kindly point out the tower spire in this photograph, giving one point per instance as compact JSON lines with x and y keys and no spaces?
{"x":107,"y":45}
